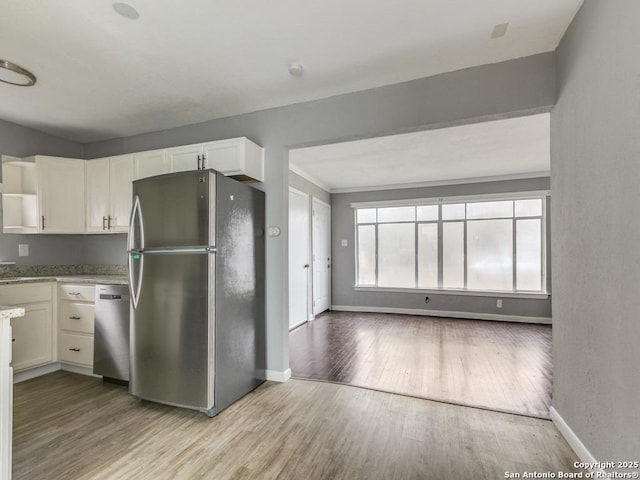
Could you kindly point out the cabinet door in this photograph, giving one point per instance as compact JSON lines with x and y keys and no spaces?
{"x":185,"y":158}
{"x":97,"y":185}
{"x":120,"y":178}
{"x":61,"y":194}
{"x":236,"y":157}
{"x":225,"y":156}
{"x":149,"y":164}
{"x":32,"y":336}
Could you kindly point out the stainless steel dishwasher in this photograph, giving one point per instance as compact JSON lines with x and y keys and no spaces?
{"x":111,"y":338}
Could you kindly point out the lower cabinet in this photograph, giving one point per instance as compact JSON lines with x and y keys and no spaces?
{"x":33,"y":337}
{"x":76,"y":318}
{"x":33,"y":340}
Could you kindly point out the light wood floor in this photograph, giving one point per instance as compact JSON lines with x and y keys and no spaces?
{"x":69,"y":426}
{"x":500,"y":366}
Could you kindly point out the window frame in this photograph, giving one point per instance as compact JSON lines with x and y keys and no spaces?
{"x":543,"y":195}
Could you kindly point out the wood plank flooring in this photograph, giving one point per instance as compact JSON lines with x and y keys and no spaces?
{"x":69,"y":426}
{"x":494,"y":365}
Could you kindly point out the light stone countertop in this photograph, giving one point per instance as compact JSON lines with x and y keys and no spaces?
{"x":11,"y":312}
{"x":79,"y":278}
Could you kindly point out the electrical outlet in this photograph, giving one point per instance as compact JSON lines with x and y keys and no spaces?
{"x":345,"y":243}
{"x":23,"y":250}
{"x":499,"y":303}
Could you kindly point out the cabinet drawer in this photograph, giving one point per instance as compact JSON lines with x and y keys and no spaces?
{"x":24,"y":293}
{"x":76,"y":349}
{"x":79,"y":317}
{"x":77,"y":293}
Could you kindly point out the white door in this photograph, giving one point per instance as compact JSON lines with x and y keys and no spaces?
{"x":299,"y":233}
{"x":321,"y":256}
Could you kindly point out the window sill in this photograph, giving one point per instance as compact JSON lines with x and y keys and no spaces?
{"x":448,"y":291}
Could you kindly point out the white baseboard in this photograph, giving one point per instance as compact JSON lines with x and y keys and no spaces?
{"x":277,"y":376}
{"x":443,"y":313}
{"x":68,"y":367}
{"x":36,"y":372}
{"x":572,"y":439}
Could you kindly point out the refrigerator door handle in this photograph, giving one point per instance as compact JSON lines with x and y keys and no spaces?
{"x":135,"y":251}
{"x":136,"y":217}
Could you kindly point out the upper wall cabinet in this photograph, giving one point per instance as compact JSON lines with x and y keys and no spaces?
{"x":43,"y":195}
{"x":108,"y":188}
{"x":151,"y":163}
{"x":237,"y":157}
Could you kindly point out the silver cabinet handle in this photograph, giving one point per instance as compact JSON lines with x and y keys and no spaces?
{"x":109,"y":222}
{"x":74,"y":318}
{"x":74,"y":349}
{"x":104,"y":221}
{"x":42,"y":222}
{"x":198,"y":162}
{"x":74,"y":293}
{"x":203,"y":159}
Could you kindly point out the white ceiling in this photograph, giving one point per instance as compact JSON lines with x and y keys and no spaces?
{"x":495,"y":150}
{"x":102,"y":76}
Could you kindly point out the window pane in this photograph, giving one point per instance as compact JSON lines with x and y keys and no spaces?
{"x":453,"y":211}
{"x":529,"y":208}
{"x":502,"y":209}
{"x":453,"y":255}
{"x":366,"y":255}
{"x":396,"y":255}
{"x":427,"y":212}
{"x":397,"y":214}
{"x":428,"y":255}
{"x":366,"y":215}
{"x":490,"y":255}
{"x":528,"y":255}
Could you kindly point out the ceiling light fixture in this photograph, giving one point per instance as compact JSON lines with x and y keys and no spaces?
{"x":296,"y":70}
{"x":499,"y":30}
{"x":16,"y":75}
{"x":126,"y":10}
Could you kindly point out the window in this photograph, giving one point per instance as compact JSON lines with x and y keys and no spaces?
{"x":481,"y":245}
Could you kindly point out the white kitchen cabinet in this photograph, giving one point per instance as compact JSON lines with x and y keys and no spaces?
{"x":188,"y":157}
{"x":43,"y":195}
{"x":33,"y":341}
{"x":108,"y":194}
{"x":32,"y":337}
{"x":19,"y":198}
{"x":151,"y":163}
{"x":76,"y":319}
{"x":236,"y":157}
{"x":60,"y":194}
{"x":6,"y":388}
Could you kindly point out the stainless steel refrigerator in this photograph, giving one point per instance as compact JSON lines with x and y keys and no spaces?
{"x":196,"y":268}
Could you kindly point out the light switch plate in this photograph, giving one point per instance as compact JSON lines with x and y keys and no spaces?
{"x":23,"y":250}
{"x":345,"y":243}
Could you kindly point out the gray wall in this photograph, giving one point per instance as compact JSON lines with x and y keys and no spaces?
{"x":18,"y":141}
{"x":595,"y":180}
{"x":343,"y":266}
{"x":304,"y":185}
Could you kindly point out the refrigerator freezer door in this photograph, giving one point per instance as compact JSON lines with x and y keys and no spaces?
{"x":174,"y":210}
{"x":172,"y":329}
